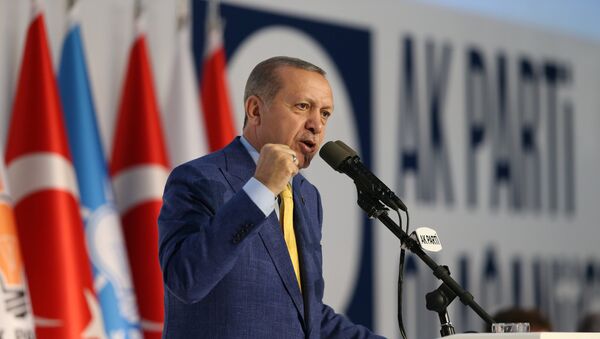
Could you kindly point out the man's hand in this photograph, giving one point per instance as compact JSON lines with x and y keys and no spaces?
{"x":276,"y":165}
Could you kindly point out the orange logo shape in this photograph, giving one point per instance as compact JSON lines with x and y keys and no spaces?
{"x":11,"y":264}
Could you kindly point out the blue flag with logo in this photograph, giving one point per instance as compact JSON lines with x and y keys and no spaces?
{"x":106,"y":247}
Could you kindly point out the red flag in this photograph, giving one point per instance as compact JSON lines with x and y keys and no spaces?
{"x":139,"y":168}
{"x":216,"y":106}
{"x":44,"y":188}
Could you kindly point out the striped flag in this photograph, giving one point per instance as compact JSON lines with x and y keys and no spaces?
{"x":44,"y":188}
{"x":139,"y":168}
{"x":16,"y":320}
{"x":218,"y":115}
{"x":112,"y":277}
{"x":184,"y":126}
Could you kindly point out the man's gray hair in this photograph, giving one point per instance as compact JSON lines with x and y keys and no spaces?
{"x":264,"y":81}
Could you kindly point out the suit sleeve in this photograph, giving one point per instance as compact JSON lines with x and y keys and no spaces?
{"x":203,"y":227}
{"x":334,"y":325}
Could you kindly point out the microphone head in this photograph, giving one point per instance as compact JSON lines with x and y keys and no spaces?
{"x":334,"y":154}
{"x":347,"y":148}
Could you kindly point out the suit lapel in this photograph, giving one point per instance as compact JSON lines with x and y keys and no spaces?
{"x":238,"y":168}
{"x":273,"y":239}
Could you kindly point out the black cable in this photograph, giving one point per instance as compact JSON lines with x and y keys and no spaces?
{"x":401,"y":279}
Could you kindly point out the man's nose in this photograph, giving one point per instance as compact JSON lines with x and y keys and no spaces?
{"x":314,"y":123}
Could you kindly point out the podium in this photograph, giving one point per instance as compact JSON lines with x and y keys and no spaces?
{"x":534,"y":335}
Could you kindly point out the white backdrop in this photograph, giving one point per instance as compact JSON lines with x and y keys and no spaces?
{"x":560,"y":240}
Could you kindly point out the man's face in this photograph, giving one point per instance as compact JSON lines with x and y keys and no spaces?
{"x":296,"y":116}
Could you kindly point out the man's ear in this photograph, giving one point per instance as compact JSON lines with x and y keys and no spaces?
{"x":253,"y":107}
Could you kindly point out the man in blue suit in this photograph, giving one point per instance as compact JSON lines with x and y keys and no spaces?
{"x":230,"y":268}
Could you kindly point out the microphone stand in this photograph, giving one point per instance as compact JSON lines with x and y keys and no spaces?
{"x":438,"y":301}
{"x":450,"y":289}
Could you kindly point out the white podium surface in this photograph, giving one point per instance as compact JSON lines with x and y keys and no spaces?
{"x":534,"y":335}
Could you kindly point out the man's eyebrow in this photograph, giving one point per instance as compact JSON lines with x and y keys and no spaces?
{"x":328,"y":107}
{"x":313,"y":101}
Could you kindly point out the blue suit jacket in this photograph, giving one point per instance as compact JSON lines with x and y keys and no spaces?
{"x":226,"y":268}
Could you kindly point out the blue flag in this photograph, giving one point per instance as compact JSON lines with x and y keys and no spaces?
{"x":106,"y":247}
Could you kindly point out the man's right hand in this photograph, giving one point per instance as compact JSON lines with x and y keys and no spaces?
{"x":276,"y":166}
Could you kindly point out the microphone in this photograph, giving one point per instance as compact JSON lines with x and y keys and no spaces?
{"x":345,"y":160}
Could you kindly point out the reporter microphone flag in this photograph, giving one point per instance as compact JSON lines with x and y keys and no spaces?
{"x":427,"y":238}
{"x":112,"y":277}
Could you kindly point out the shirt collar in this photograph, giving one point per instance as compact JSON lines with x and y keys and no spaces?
{"x":251,"y":150}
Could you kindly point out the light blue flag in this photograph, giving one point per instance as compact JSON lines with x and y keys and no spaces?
{"x":106,"y":247}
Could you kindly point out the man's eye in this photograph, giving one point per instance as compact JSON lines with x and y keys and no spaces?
{"x":302,"y":106}
{"x":326,"y":114}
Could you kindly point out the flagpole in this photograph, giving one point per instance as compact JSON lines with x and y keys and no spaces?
{"x":36,"y":8}
{"x":183,"y":14}
{"x":138,"y":9}
{"x":214,"y":16}
{"x":139,"y":18}
{"x":72,"y":14}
